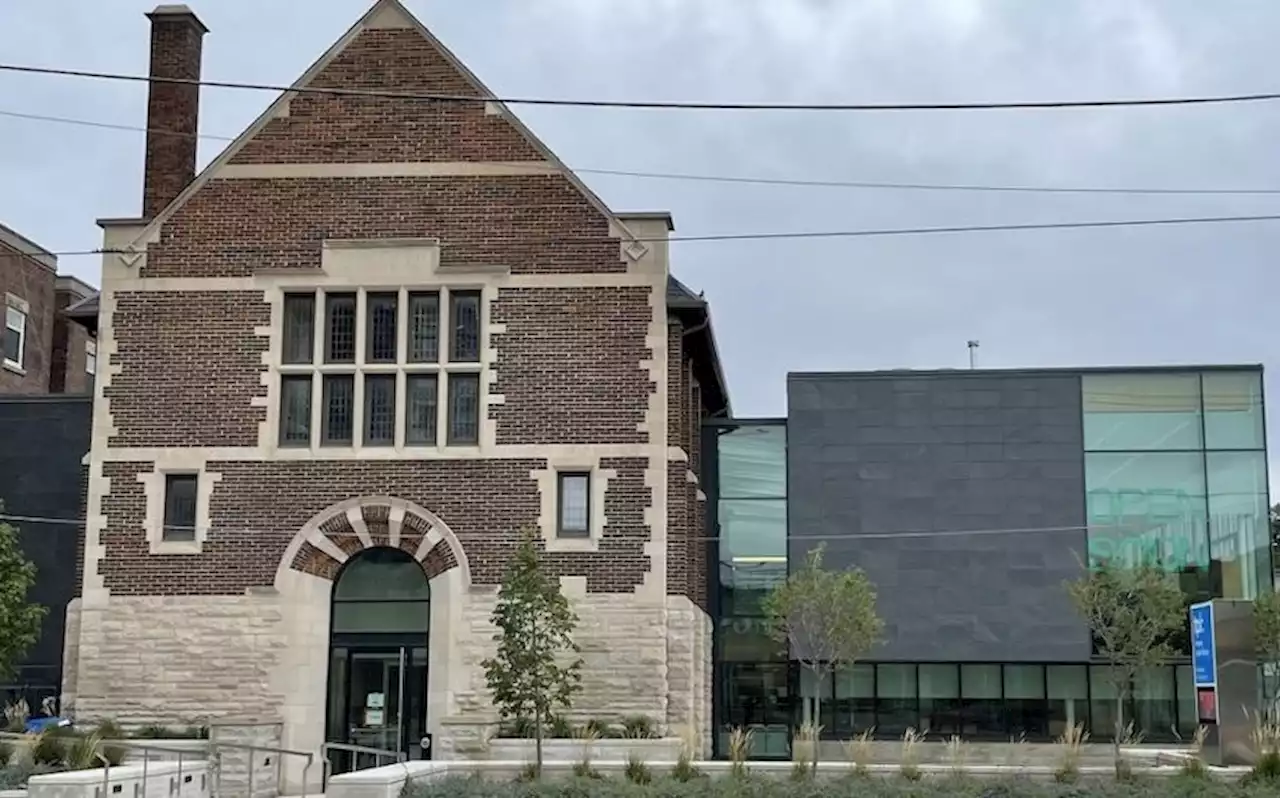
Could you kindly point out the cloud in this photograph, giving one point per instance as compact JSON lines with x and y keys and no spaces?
{"x":1159,"y":295}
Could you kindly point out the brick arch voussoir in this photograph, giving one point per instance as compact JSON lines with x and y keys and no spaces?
{"x":345,"y":529}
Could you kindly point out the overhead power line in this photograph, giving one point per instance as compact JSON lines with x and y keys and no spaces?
{"x":870,"y":233}
{"x":1132,"y":528}
{"x":538,"y":168}
{"x":659,"y":105}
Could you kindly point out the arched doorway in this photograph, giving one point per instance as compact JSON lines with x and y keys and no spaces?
{"x":379,"y":626}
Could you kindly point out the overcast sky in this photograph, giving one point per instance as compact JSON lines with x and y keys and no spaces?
{"x":1093,"y":297}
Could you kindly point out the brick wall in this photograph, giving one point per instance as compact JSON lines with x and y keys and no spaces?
{"x":32,"y":282}
{"x":417,"y":131}
{"x":570,"y":365}
{"x":198,"y":352}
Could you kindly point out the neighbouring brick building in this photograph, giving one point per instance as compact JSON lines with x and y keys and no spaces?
{"x":48,"y":339}
{"x":371,"y":342}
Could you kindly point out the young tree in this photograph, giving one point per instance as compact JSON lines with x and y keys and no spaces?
{"x":1132,"y":613}
{"x":535,"y":669}
{"x":19,"y":619}
{"x":826,"y":619}
{"x":1266,"y":638}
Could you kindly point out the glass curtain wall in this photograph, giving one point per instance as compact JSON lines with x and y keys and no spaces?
{"x":994,"y":701}
{"x":1175,"y":472}
{"x":748,"y":521}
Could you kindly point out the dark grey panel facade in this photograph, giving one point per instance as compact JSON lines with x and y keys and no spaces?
{"x":45,"y":439}
{"x":874,"y":461}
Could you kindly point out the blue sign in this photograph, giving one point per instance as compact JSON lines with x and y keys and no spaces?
{"x":1203,"y":656}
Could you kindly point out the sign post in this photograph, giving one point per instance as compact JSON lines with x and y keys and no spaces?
{"x":1204,"y":662}
{"x":1226,"y":678}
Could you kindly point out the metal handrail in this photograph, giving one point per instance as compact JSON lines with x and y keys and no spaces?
{"x":252,"y":749}
{"x":326,"y":765}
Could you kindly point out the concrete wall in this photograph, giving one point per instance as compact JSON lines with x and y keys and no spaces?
{"x":876,"y":460}
{"x":45,"y":438}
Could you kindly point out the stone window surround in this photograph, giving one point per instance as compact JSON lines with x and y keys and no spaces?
{"x":401,"y":368}
{"x":548,"y":480}
{"x":153,"y":485}
{"x":23,"y":307}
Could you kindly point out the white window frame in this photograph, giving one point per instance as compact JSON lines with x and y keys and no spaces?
{"x":91,"y":358}
{"x":12,"y":310}
{"x":402,"y":369}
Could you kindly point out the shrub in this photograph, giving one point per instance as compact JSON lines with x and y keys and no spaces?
{"x":739,"y":749}
{"x":639,"y":727}
{"x":109,"y":730}
{"x":49,"y":748}
{"x":561,"y":728}
{"x":637,"y":771}
{"x":1071,"y":745}
{"x":6,"y":753}
{"x":859,"y":753}
{"x":909,"y":767}
{"x":154,"y":731}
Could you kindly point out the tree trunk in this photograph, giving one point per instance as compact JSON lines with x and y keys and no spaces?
{"x":537,"y":742}
{"x":1119,"y":727}
{"x":817,"y":720}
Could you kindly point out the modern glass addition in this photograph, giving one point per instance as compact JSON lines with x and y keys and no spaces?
{"x":748,"y":519}
{"x":1175,"y":472}
{"x":991,"y":701}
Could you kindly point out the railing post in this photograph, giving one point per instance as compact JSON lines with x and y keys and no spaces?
{"x":251,"y":771}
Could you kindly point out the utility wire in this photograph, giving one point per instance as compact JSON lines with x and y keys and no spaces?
{"x":869,"y":233}
{"x":1132,"y":528}
{"x":663,"y":105}
{"x":537,"y":168}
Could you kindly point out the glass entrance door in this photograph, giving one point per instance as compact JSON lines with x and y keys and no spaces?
{"x":378,"y":637}
{"x":377,"y":700}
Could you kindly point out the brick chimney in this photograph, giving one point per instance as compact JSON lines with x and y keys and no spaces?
{"x":173,"y":109}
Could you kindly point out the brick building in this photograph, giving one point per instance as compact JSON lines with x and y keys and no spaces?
{"x":369,"y":344}
{"x":48,"y":344}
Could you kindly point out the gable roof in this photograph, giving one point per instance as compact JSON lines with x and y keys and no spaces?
{"x":383,"y":10}
{"x":700,"y":342}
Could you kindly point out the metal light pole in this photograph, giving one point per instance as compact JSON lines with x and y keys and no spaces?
{"x":973,"y":354}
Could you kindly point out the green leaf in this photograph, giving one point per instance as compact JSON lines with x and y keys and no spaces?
{"x":19,"y":619}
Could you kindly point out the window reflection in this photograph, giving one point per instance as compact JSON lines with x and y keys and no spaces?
{"x":1141,"y":412}
{"x":896,"y":708}
{"x":753,"y":462}
{"x":1233,"y":410}
{"x":855,"y":700}
{"x":940,"y":699}
{"x":1240,"y":534}
{"x":756,"y":697}
{"x":1068,"y":690}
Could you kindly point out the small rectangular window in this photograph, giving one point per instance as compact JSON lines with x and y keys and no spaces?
{"x":464,"y":409}
{"x":337,"y":409}
{"x":381,"y":311}
{"x":299,"y":329}
{"x":424,"y":328}
{"x":179,"y":507}
{"x":90,"y":358}
{"x":464,"y":323}
{"x":340,"y":328}
{"x":574,"y":503}
{"x":295,"y":410}
{"x":380,"y":410}
{"x":15,"y":336}
{"x":422,"y":403}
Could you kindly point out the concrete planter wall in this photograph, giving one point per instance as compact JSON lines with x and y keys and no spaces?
{"x":388,"y":781}
{"x":160,"y":750}
{"x":663,"y":749}
{"x":162,"y":780}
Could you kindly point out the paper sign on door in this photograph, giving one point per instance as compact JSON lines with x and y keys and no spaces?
{"x":373,"y":717}
{"x":374,"y":700}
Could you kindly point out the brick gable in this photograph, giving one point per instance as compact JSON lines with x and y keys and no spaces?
{"x":240,"y":227}
{"x":376,"y":130}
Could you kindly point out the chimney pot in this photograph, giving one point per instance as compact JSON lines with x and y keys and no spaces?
{"x":173,"y":109}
